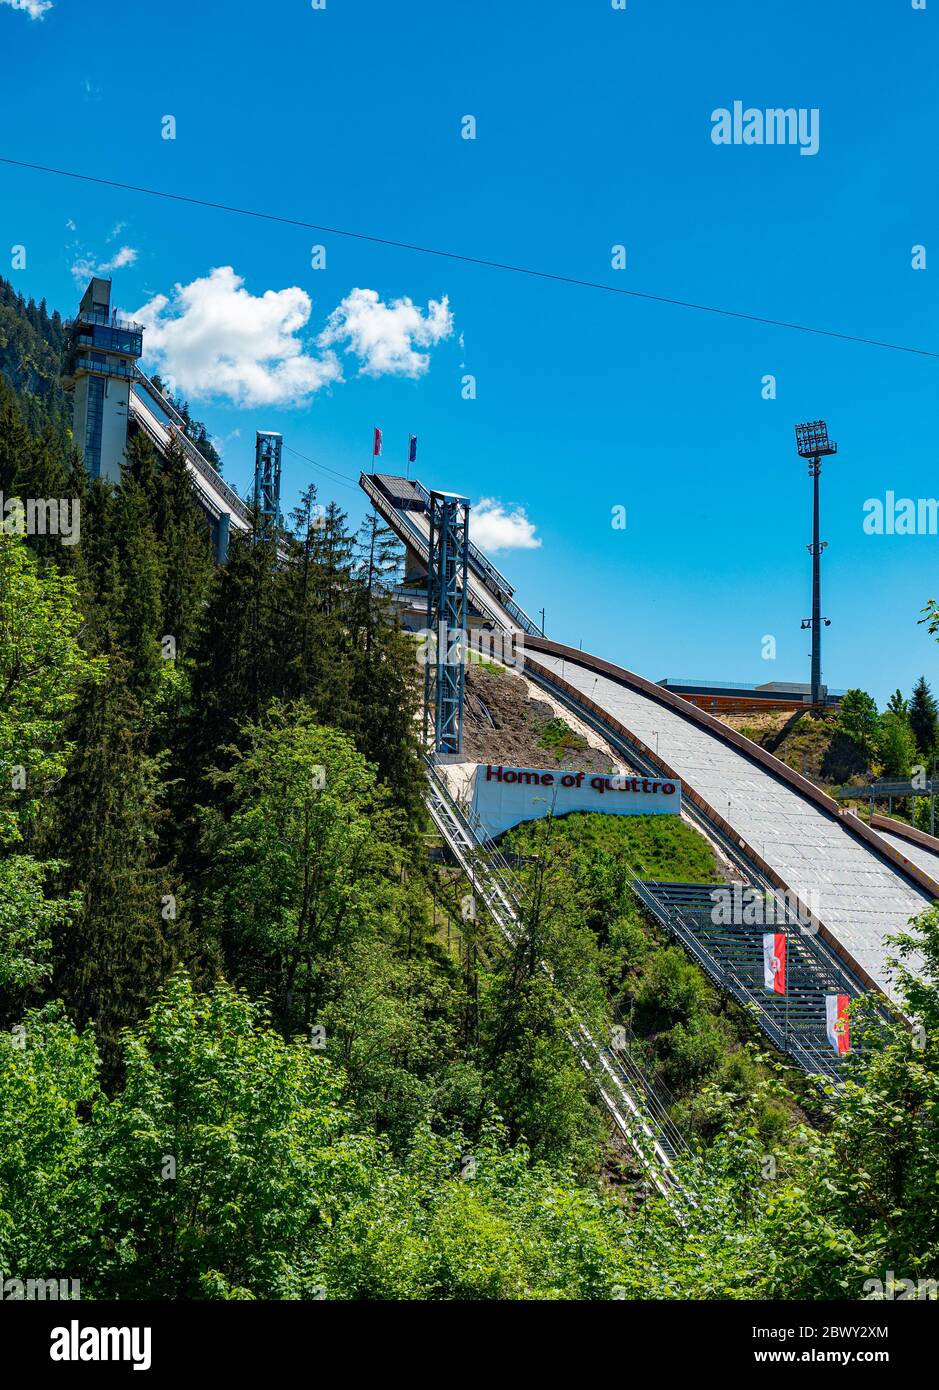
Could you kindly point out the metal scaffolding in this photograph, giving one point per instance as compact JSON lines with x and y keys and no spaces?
{"x":444,"y":669}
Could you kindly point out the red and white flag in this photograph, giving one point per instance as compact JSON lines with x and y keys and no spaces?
{"x":837,"y":1023}
{"x":376,"y":446}
{"x":774,"y":962}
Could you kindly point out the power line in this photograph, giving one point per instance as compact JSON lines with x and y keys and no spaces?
{"x":469,"y":260}
{"x":336,"y":475}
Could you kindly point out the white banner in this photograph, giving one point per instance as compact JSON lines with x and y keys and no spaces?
{"x":503,"y":796}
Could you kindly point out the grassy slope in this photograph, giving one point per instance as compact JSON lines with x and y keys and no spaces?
{"x":662,"y":847}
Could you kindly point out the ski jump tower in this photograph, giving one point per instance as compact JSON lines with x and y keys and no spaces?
{"x":109,"y":390}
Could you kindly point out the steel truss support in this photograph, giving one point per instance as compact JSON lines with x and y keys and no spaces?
{"x":444,"y":670}
{"x":267,"y":464}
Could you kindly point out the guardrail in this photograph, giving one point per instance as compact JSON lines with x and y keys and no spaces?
{"x":176,"y":430}
{"x":912,"y":833}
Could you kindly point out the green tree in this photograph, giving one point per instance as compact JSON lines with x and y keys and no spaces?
{"x":41,"y":663}
{"x":226,"y":1154}
{"x":898,"y":704}
{"x":548,"y":978}
{"x":48,"y":1084}
{"x":136,"y":606}
{"x":303,"y":868}
{"x":188,"y":569}
{"x":896,"y":746}
{"x":130,"y":930}
{"x":238,"y":667}
{"x":28,"y":919}
{"x":227,"y":1167}
{"x":924,"y":718}
{"x":858,"y":720}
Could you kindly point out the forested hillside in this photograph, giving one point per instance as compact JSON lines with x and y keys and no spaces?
{"x":252,"y":1045}
{"x":856,"y":743}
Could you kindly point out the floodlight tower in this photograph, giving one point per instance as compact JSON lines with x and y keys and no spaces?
{"x":813,"y":444}
{"x":446,"y":619}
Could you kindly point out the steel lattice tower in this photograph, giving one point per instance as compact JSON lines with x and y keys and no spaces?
{"x":446,"y":619}
{"x":267,"y":453}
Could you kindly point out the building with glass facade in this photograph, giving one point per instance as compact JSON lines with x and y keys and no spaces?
{"x":103,"y":352}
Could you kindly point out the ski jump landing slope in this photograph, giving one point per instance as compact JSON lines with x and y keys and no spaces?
{"x":164,"y":425}
{"x":860,"y":885}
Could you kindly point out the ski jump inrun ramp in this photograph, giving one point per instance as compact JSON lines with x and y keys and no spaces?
{"x":860,"y":884}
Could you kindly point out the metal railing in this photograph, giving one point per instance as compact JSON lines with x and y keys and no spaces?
{"x":624,"y":1088}
{"x":731,"y":955}
{"x":481,"y":562}
{"x":91,"y":364}
{"x":201,"y":465}
{"x":416,"y":539}
{"x":105,"y":318}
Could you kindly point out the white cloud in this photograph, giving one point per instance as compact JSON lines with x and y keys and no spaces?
{"x":34,"y":8}
{"x":126,"y":256}
{"x":70,"y":225}
{"x":216,"y":339}
{"x":83,"y":268}
{"x":385,"y":336}
{"x":494,"y":528}
{"x":86,"y":265}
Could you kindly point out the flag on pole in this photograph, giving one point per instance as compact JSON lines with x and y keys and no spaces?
{"x":376,"y":446}
{"x":837,"y":1024}
{"x":774,"y":962}
{"x":412,"y":448}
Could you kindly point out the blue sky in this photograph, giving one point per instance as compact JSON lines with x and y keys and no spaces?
{"x":593,"y":130}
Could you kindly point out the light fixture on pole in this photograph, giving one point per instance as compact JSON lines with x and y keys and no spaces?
{"x":813,"y":444}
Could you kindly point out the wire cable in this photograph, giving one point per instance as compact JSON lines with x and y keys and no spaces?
{"x":469,"y":260}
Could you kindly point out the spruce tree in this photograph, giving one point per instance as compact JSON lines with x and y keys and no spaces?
{"x":139,"y":619}
{"x":187,"y":550}
{"x":924,"y":718}
{"x":239,"y":663}
{"x":314,"y":632}
{"x":898,"y":704}
{"x":127,"y":936}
